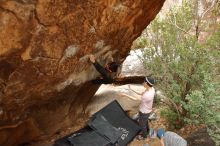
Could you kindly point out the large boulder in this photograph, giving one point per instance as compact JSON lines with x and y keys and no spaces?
{"x":133,"y":65}
{"x":44,"y":68}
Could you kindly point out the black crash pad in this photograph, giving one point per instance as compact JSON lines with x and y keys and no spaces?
{"x":120,"y":129}
{"x":101,"y":126}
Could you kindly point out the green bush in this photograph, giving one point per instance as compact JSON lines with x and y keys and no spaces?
{"x":200,"y":105}
{"x":187,"y":70}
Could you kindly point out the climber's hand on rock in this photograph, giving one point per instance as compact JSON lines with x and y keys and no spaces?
{"x":92,"y":58}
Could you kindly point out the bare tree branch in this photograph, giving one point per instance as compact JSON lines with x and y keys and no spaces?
{"x":179,"y":28}
{"x":209,"y":9}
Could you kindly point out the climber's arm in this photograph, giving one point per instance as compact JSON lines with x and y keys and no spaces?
{"x":106,"y":78}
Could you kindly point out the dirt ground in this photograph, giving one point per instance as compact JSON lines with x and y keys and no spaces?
{"x":129,"y":102}
{"x":107,"y":93}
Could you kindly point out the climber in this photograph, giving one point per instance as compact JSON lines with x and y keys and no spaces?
{"x":168,"y":138}
{"x":107,"y":72}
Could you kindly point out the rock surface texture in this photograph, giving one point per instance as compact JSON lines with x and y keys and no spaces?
{"x":44,"y":70}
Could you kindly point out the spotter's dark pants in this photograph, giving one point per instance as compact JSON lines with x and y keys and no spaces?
{"x":143,"y":122}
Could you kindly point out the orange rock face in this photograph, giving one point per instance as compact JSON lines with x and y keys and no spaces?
{"x":44,"y":67}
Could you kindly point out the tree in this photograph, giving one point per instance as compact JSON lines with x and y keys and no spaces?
{"x":185,"y":64}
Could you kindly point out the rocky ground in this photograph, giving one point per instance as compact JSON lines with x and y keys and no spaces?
{"x":107,"y":93}
{"x":129,"y":102}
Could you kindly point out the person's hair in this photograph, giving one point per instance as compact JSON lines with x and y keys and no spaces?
{"x":149,"y":81}
{"x":113,"y":66}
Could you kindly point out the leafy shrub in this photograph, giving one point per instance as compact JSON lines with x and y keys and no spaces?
{"x":187,"y":70}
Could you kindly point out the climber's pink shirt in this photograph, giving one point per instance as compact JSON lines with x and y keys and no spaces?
{"x":147,"y":101}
